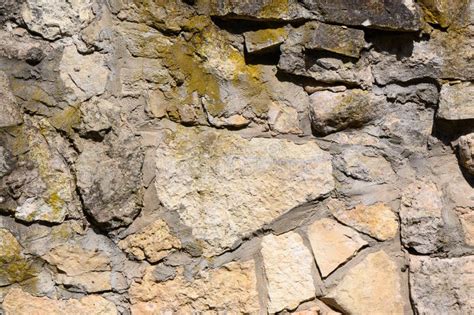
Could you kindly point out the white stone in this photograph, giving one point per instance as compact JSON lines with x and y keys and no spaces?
{"x":288,"y":267}
{"x":225,"y":186}
{"x":333,"y":244}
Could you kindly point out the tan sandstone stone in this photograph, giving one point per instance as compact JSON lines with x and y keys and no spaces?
{"x":231,"y":288}
{"x":153,"y":244}
{"x":225,"y":186}
{"x":288,"y":268}
{"x":333,"y":244}
{"x":87,"y":270}
{"x":377,"y":220}
{"x":18,"y":302}
{"x":371,"y":287}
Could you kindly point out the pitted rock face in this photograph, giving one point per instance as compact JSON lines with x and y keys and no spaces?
{"x":268,"y":177}
{"x":236,"y":156}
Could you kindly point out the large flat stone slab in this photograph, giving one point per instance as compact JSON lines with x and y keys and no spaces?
{"x":226,"y":187}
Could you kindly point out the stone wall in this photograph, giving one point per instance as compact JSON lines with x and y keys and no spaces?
{"x":229,"y":156}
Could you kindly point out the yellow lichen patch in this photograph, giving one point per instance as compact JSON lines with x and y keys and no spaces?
{"x":274,"y":9}
{"x":13,"y":267}
{"x":66,"y":119}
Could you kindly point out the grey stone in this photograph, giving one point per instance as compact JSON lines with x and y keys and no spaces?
{"x":9,"y":109}
{"x":442,"y":285}
{"x":392,"y":14}
{"x":264,"y":40}
{"x":421,"y":217}
{"x":331,"y":112}
{"x":163,"y":273}
{"x":456,"y":101}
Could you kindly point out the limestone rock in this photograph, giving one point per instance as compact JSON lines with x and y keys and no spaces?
{"x":98,"y":116}
{"x":261,"y":10}
{"x":110,"y":193}
{"x":377,"y":220}
{"x":456,"y":101}
{"x":264,"y":40}
{"x":466,"y":216}
{"x":51,"y":196}
{"x":392,"y":15}
{"x":18,"y":302}
{"x":13,"y":266}
{"x":331,"y":112}
{"x":334,"y":38}
{"x":81,"y":269}
{"x":283,"y":119}
{"x":442,"y":285}
{"x":443,"y":12}
{"x":421,"y":217}
{"x":230,"y":288}
{"x":288,"y":268}
{"x":153,"y":243}
{"x":325,"y":57}
{"x":268,"y":178}
{"x":371,"y":287}
{"x":466,"y":152}
{"x":9,"y":109}
{"x":56,"y":18}
{"x":87,"y":80}
{"x":333,"y":244}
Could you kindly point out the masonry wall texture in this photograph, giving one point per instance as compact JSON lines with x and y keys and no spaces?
{"x":236,"y":157}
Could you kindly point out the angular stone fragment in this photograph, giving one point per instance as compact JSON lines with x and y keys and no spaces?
{"x":380,"y":14}
{"x":86,"y":75}
{"x":333,"y":244}
{"x":81,"y":269}
{"x":442,"y":285}
{"x":456,"y":101}
{"x":283,"y":119}
{"x":421,"y":217}
{"x":326,"y":54}
{"x":261,"y":10}
{"x":9,"y":109}
{"x":225,"y":187}
{"x":288,"y":268}
{"x":333,"y":38}
{"x":466,"y":152}
{"x":51,"y":195}
{"x":153,"y":243}
{"x":109,"y":179}
{"x":331,"y":112}
{"x":466,"y":216}
{"x":231,"y":288}
{"x":18,"y":302}
{"x":97,"y":118}
{"x":55,"y":18}
{"x":371,"y":287}
{"x":377,"y":220}
{"x":13,"y":266}
{"x":264,"y":40}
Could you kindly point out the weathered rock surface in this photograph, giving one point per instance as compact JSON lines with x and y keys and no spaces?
{"x":85,"y":270}
{"x":19,"y":302}
{"x":456,"y":101}
{"x":53,"y":19}
{"x":421,"y":217}
{"x":153,"y":244}
{"x":380,"y":279}
{"x":466,"y":152}
{"x":10,"y":113}
{"x":377,"y":220}
{"x":442,"y":285}
{"x":231,"y":288}
{"x":264,"y":40}
{"x":332,"y":112}
{"x":394,"y":15}
{"x":288,"y":269}
{"x":269,"y":178}
{"x":333,"y":244}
